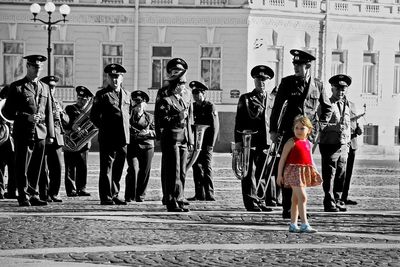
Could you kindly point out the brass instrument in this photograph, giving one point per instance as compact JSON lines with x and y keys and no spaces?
{"x":355,"y":118}
{"x":199,"y":131}
{"x":83,"y":130}
{"x":4,"y":129}
{"x":241,"y":157}
{"x":272,"y":154}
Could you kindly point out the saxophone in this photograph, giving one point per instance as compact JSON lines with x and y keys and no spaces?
{"x":83,"y":130}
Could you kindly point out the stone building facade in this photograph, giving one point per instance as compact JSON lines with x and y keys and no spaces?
{"x":221,"y":40}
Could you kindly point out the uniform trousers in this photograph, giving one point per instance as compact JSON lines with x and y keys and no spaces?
{"x":28,"y":162}
{"x":7,"y":158}
{"x":249,"y":182}
{"x":112,"y":161}
{"x":348,"y":174}
{"x":333,"y":161}
{"x":202,"y":175}
{"x":50,"y":174}
{"x":75,"y":170}
{"x":175,"y":156}
{"x":138,"y":173}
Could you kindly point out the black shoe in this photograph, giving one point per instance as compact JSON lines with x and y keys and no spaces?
{"x":341,"y":206}
{"x":286,"y":214}
{"x":271,"y":203}
{"x":118,"y":201}
{"x":83,"y":193}
{"x":194,"y":199}
{"x":47,"y":199}
{"x":56,"y":199}
{"x":9,"y":195}
{"x":330,"y":209}
{"x":35,"y":201}
{"x":350,"y":202}
{"x":210,"y":198}
{"x":24,"y":203}
{"x":72,"y":194}
{"x":254,"y":209}
{"x":107,"y":202}
{"x":264,"y":208}
{"x":128,"y":200}
{"x":139,"y":199}
{"x":174,"y":209}
{"x":183,"y":208}
{"x":184,"y":202}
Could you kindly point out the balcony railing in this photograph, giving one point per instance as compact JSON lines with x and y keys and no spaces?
{"x":363,"y":8}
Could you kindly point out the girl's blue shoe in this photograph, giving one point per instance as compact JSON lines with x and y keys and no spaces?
{"x":306,"y":228}
{"x":293,"y":228}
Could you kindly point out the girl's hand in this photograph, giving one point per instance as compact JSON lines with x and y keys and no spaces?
{"x":279,"y":181}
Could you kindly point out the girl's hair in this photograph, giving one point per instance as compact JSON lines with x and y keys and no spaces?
{"x":303,"y":120}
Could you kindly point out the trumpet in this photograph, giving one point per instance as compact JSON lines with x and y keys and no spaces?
{"x":271,"y":155}
{"x":241,"y":157}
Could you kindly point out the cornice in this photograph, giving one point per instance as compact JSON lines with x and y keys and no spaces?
{"x":276,"y":23}
{"x":192,"y":20}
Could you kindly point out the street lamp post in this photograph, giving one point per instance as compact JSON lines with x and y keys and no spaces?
{"x":49,"y":7}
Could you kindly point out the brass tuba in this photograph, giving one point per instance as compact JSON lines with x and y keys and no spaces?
{"x":4,"y":129}
{"x":241,"y":157}
{"x":83,"y":130}
{"x":199,"y":130}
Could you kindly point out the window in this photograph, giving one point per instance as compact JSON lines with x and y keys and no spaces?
{"x":371,"y":134}
{"x":159,"y":59}
{"x":370,"y":72}
{"x":339,"y":60}
{"x":396,"y":79}
{"x":112,"y":53}
{"x":13,"y":67}
{"x":64,"y":64}
{"x":274,"y":61}
{"x":211,"y":66}
{"x":396,"y":135}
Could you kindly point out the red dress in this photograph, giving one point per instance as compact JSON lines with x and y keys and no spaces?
{"x":299,"y":168}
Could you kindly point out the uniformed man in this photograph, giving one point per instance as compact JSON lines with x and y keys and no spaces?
{"x":333,"y":144}
{"x":50,"y":178}
{"x":353,"y":146}
{"x":174,"y":68}
{"x":29,"y":105}
{"x":204,"y":113}
{"x":140,"y":149}
{"x":7,"y":155}
{"x":251,"y":115}
{"x":76,"y":161}
{"x":175,"y":118}
{"x":110,"y":113}
{"x":303,"y":94}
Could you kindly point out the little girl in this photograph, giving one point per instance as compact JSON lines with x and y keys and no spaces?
{"x":297,"y":170}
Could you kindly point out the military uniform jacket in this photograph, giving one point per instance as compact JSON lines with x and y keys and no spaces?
{"x":144,"y":122}
{"x":161,"y":93}
{"x":302,"y":99}
{"x":110,"y":114}
{"x":206,"y":114}
{"x":337,"y":131}
{"x":171,"y":125}
{"x":22,"y":102}
{"x":251,"y":114}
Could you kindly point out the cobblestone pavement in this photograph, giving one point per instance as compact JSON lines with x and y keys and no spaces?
{"x":80,"y":232}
